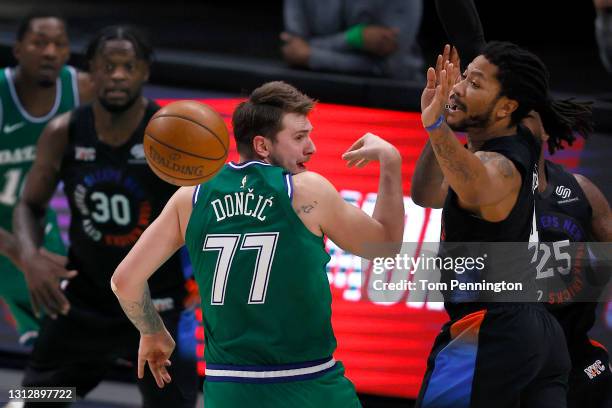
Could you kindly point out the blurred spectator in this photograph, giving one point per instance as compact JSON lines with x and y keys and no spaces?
{"x":372,"y":37}
{"x":603,"y":31}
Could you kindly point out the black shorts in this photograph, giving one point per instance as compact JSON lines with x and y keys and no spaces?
{"x":79,"y":349}
{"x":508,"y":355}
{"x":590,"y":381}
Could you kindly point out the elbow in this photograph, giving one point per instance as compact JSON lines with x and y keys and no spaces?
{"x":471,"y":197}
{"x":118,"y":281}
{"x":417,"y":197}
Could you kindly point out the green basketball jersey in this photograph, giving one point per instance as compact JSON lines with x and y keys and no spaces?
{"x":19,"y":132}
{"x":265,"y":293}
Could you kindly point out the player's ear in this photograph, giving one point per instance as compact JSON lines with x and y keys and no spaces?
{"x":505,"y":107}
{"x":261,"y":146}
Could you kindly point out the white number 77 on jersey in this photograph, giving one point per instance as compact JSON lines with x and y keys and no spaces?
{"x":226,"y":245}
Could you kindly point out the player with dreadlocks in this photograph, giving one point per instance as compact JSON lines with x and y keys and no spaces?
{"x":503,"y":354}
{"x":584,"y":216}
{"x":570,"y":208}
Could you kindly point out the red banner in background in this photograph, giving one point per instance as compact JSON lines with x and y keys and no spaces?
{"x":384,"y":347}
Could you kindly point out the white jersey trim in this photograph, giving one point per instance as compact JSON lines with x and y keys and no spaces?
{"x":246,"y":164}
{"x":21,"y":109}
{"x":75,"y":85}
{"x":271,"y":374}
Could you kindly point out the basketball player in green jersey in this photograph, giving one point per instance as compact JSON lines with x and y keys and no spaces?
{"x":40,"y":87}
{"x":255,"y":238}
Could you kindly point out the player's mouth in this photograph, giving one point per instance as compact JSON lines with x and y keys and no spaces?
{"x":454,"y":105}
{"x":116,"y":93}
{"x":302,"y":165}
{"x":48,"y":69}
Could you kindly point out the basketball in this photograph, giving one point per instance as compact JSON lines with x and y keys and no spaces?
{"x":186,"y":143}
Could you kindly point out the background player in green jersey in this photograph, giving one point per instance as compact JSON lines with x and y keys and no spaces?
{"x":40,"y":87}
{"x":255,"y":237}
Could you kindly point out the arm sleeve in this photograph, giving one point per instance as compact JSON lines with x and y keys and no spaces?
{"x":463,"y":27}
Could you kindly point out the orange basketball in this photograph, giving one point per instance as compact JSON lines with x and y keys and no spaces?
{"x":186,"y":143}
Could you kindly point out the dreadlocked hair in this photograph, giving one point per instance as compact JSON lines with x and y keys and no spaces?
{"x":563,"y":119}
{"x":524,"y":78}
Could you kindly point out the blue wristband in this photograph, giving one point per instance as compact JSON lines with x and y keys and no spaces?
{"x":436,"y":124}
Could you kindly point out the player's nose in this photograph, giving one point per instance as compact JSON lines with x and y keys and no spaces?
{"x":310,"y":148}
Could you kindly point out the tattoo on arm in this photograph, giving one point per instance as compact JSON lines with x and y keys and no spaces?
{"x":502,"y":163}
{"x":307,"y":208}
{"x":445,"y":151}
{"x":143,"y":314}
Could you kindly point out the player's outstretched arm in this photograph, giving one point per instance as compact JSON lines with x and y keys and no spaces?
{"x":317,"y":201}
{"x":41,"y":273}
{"x":129,"y":283}
{"x":429,"y":188}
{"x":601,"y":220}
{"x":480,"y":179}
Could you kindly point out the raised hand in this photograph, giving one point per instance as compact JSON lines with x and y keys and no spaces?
{"x":436,"y":92}
{"x":369,"y":148}
{"x":451,"y":55}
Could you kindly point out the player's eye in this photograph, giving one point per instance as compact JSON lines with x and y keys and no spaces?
{"x":474,"y":84}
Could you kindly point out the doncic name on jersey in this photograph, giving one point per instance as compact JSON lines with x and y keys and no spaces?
{"x":245,"y":202}
{"x":113,"y":207}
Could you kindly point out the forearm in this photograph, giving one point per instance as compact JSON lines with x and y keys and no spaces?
{"x":463,"y":171}
{"x":138,"y":306}
{"x":427,"y":178}
{"x":28,"y":227}
{"x":389,"y":208}
{"x":463,"y":27}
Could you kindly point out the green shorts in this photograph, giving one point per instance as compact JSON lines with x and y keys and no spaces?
{"x":331,"y":390}
{"x":14,"y":290}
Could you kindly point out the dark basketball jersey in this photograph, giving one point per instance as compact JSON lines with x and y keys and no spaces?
{"x":461,"y":226}
{"x":113,"y":197}
{"x":564,"y":215}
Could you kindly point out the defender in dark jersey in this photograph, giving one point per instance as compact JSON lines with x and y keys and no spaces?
{"x":577,"y":218}
{"x":489,"y":354}
{"x":571,"y":208}
{"x":32,"y":93}
{"x":97,"y":152}
{"x":260,"y":261}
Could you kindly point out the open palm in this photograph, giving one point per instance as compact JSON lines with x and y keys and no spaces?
{"x":435,"y":94}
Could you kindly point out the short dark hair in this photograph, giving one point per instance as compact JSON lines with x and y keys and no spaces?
{"x":524,"y":78}
{"x":26,"y":21}
{"x":140,"y":42}
{"x":262,"y":113}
